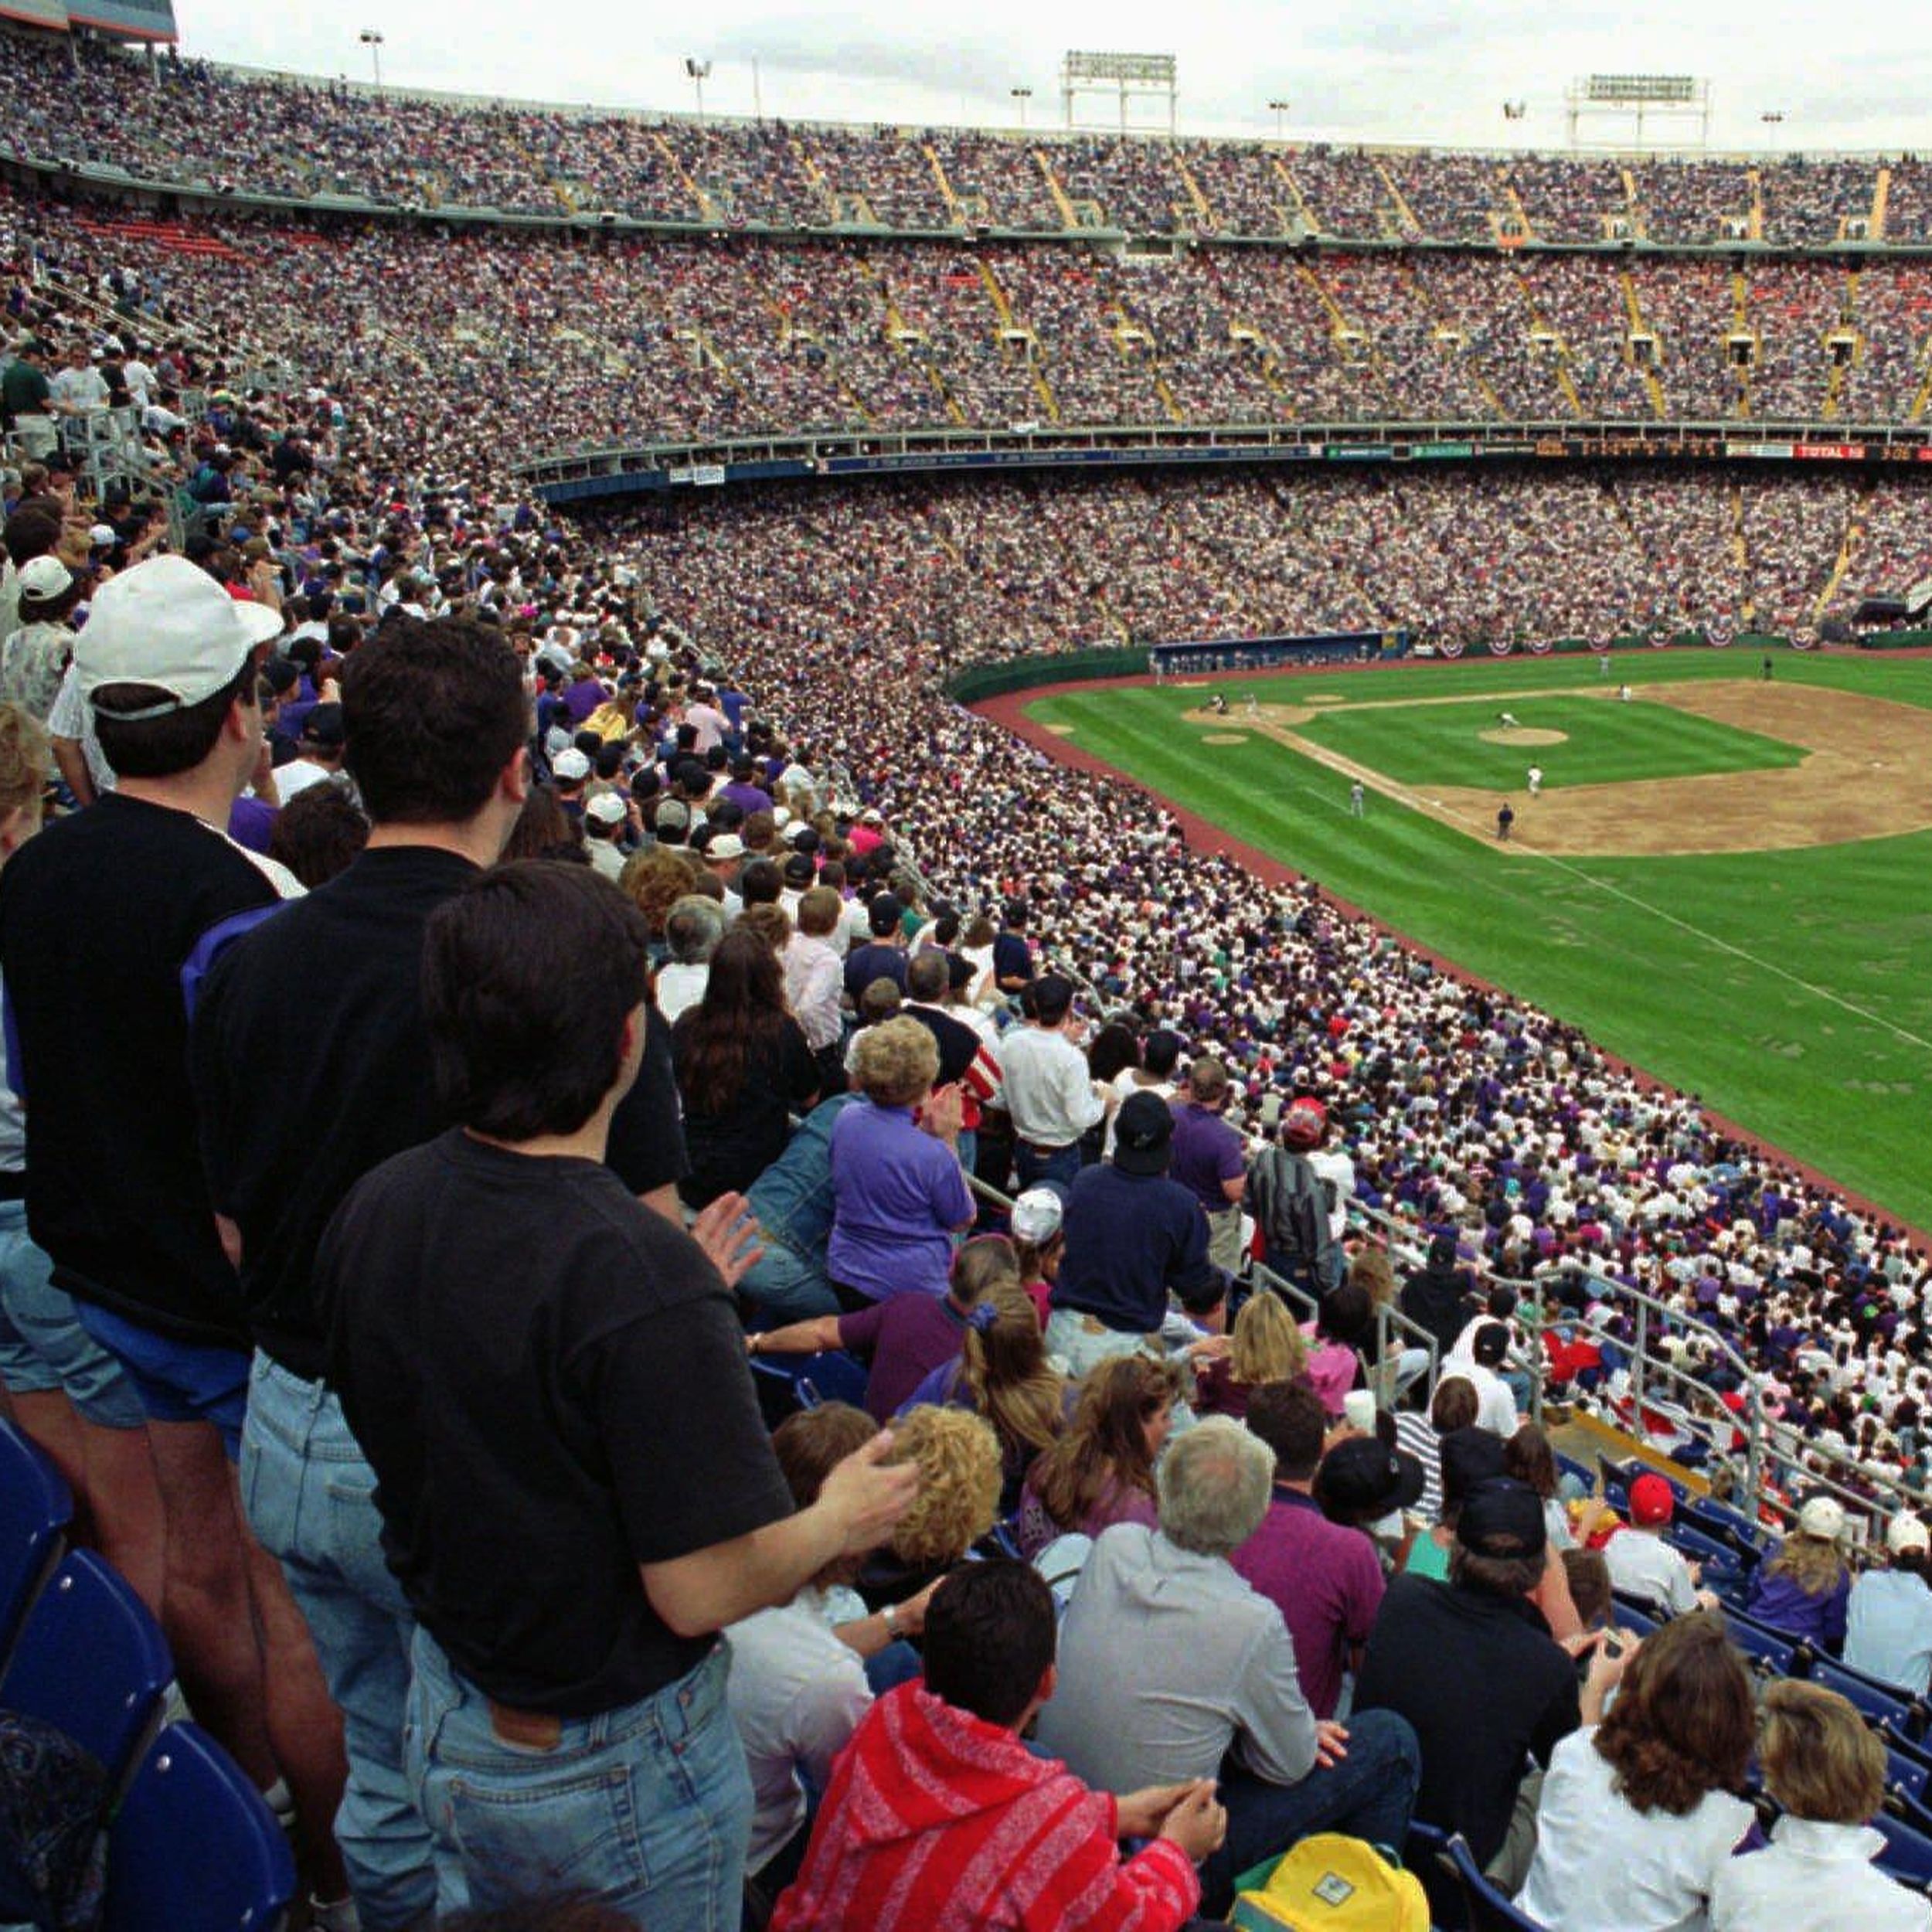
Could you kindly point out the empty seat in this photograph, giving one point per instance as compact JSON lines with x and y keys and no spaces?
{"x":35,"y":1509}
{"x":92,"y":1662}
{"x":1490,"y":1908}
{"x":193,"y":1847}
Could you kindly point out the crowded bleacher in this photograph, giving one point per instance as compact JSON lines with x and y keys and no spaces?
{"x":664,"y":1279}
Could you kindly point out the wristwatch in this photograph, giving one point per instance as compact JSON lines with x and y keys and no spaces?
{"x":890,"y":1615}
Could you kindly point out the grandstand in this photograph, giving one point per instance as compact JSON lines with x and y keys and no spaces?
{"x":847,"y":413}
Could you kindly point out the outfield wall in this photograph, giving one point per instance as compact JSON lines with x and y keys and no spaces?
{"x":987,"y":681}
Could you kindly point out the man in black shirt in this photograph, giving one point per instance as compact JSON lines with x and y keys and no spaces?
{"x":1472,"y":1664}
{"x":102,"y":919}
{"x":576,"y":1491}
{"x":299,"y":1100}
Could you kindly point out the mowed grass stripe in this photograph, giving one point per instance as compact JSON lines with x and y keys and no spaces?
{"x":1605,"y":742}
{"x":1833,"y":1086}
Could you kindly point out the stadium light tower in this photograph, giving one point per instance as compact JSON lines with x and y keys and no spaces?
{"x":1022,"y":95}
{"x":700,"y":72}
{"x":371,"y":38}
{"x":1280,"y":109}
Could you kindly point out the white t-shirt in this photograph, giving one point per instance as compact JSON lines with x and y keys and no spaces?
{"x":1642,"y":1565}
{"x":1602,"y":1865}
{"x":796,"y":1695}
{"x":298,"y":774}
{"x":680,"y":986}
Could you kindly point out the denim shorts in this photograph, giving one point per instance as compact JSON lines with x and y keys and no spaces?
{"x":177,"y":1380}
{"x":42,"y":1346}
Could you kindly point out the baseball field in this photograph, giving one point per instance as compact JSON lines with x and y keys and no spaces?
{"x":1727,"y":881}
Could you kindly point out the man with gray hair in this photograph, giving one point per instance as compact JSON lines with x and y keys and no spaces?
{"x":1211,"y":1690}
{"x":692,"y":929}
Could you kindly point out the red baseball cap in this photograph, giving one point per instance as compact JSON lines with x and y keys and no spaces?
{"x":1651,"y":1502}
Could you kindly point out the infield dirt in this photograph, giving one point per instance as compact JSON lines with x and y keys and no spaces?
{"x":1867,"y":773}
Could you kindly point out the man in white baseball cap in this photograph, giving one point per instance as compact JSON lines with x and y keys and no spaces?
{"x":170,"y":628}
{"x":104,"y":917}
{"x":1889,"y":1620}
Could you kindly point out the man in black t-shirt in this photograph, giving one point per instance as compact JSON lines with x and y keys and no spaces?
{"x":1472,"y":1666}
{"x":104,"y":919}
{"x":576,"y":1491}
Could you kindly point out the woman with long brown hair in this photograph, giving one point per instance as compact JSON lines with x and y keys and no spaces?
{"x":743,"y":1068}
{"x":1637,"y":1819}
{"x":1002,"y":1373}
{"x":1101,"y":1471}
{"x":1806,"y":1588}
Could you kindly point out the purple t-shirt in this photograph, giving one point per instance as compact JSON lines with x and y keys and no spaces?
{"x":898,"y":1195}
{"x":1326,"y":1581}
{"x":907,"y":1338}
{"x":1207,"y":1152}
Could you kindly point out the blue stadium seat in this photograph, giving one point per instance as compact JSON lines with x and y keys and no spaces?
{"x":193,"y":1847}
{"x":1895,"y":1741}
{"x":1907,"y":1855}
{"x":788,"y":1383}
{"x":1873,"y":1701}
{"x":1764,"y":1647}
{"x":1714,"y":1554}
{"x":35,"y":1509}
{"x":1425,"y":1853}
{"x":1905,"y":1777}
{"x":1490,"y":1909}
{"x":1627,"y":1615}
{"x":1724,"y":1526}
{"x":91,"y":1662}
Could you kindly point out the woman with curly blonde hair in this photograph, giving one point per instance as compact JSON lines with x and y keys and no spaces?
{"x":1636,"y":1822}
{"x":1101,"y":1471}
{"x":1266,"y":1346}
{"x":958,"y":1457}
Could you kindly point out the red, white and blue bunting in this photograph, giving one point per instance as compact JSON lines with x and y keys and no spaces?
{"x":1451,"y":647}
{"x":1500,"y":647}
{"x":1717,"y":633}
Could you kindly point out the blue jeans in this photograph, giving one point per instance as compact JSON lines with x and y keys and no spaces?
{"x":647,"y":1807}
{"x":785,"y":1286}
{"x":1368,"y":1795}
{"x":309,"y":1495}
{"x":1030,"y":1167}
{"x":42,"y":1346}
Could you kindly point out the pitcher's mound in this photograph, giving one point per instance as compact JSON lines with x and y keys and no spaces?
{"x":1224,"y":737}
{"x":1521,"y":736}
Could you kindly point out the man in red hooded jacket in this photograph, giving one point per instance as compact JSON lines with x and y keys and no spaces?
{"x":938,"y":1818}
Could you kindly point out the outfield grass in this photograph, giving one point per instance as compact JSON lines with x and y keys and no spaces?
{"x":1790,"y":990}
{"x":1443,"y":744}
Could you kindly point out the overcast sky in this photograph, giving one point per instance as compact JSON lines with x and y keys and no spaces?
{"x":1852,"y":75}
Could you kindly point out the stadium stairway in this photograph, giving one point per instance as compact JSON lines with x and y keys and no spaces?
{"x":1585,"y":1438}
{"x":1057,"y":189}
{"x":1294,"y":187}
{"x":1199,"y":200}
{"x":1881,"y":195}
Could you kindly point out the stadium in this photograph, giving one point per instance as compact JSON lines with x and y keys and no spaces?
{"x":1256,"y":808}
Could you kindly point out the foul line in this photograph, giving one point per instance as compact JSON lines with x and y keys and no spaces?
{"x":1472,"y":829}
{"x":1380,"y":782}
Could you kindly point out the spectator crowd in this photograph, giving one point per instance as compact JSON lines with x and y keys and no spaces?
{"x":510,"y":1013}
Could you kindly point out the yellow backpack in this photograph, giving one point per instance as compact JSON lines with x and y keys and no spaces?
{"x":1331,"y":1884}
